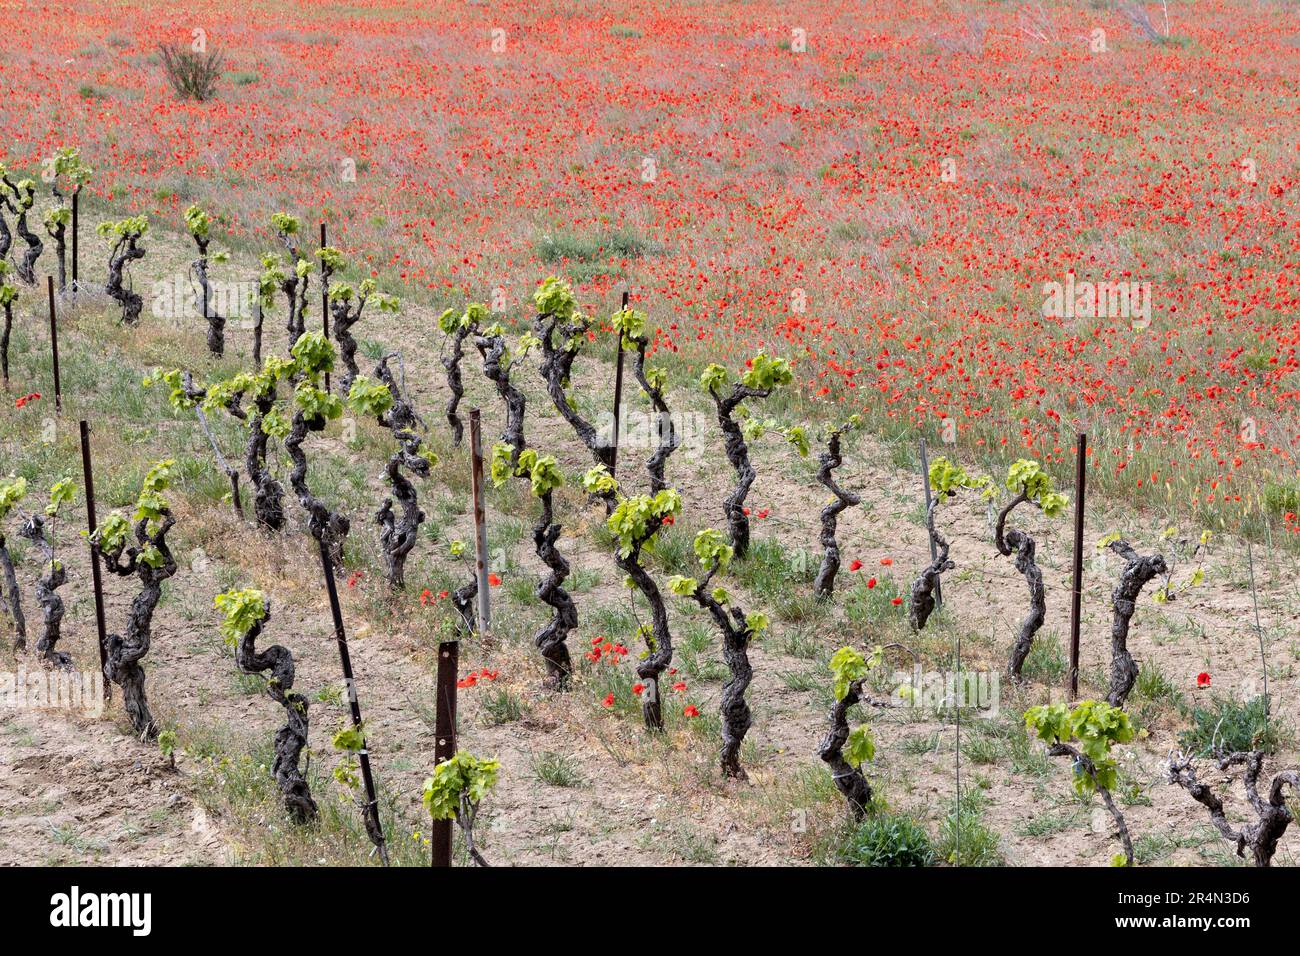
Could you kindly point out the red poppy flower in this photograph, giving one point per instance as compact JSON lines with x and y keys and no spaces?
{"x":691,"y":711}
{"x":638,"y":688}
{"x":886,"y":561}
{"x":494,"y":579}
{"x":855,"y":564}
{"x":871,"y":582}
{"x":680,"y":685}
{"x":1202,"y":680}
{"x":609,"y":700}
{"x":896,"y":601}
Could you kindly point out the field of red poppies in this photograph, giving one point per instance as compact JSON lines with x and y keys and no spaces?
{"x":883,"y":191}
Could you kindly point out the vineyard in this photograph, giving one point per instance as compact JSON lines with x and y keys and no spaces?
{"x":450,"y":441}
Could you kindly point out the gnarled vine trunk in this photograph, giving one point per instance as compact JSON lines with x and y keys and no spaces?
{"x":493,"y":348}
{"x":6,"y":237}
{"x":292,"y":737}
{"x":659,"y":639}
{"x":295,"y":289}
{"x":27,"y":267}
{"x":125,"y":251}
{"x":344,"y":316}
{"x":328,"y":527}
{"x":738,"y":454}
{"x":659,"y":643}
{"x":849,"y":780}
{"x":268,"y":493}
{"x":216,"y":321}
{"x":1274,"y":816}
{"x":557,"y":369}
{"x":4,"y":341}
{"x":462,"y":599}
{"x":58,"y":232}
{"x":53,"y":577}
{"x":1018,"y":543}
{"x":550,"y":638}
{"x":451,"y":362}
{"x":666,"y":430}
{"x":923,"y":588}
{"x":829,"y":460}
{"x":125,"y":651}
{"x":734,"y":709}
{"x":12,"y":597}
{"x":398,"y":534}
{"x":1138,"y":570}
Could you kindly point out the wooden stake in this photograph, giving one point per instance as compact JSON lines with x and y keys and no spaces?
{"x":934,"y":548}
{"x":1076,"y":586}
{"x":95,"y":575}
{"x":444,"y":747}
{"x":54,"y":346}
{"x":618,"y":398}
{"x":375,"y":830}
{"x":481,"y":559}
{"x":74,"y":240}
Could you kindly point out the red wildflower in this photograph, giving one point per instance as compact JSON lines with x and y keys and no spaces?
{"x":691,"y":711}
{"x":871,"y":582}
{"x":494,"y":579}
{"x":609,"y":699}
{"x":1202,"y":680}
{"x":855,"y":565}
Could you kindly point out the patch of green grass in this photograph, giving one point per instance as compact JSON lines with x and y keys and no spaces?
{"x":964,"y":840}
{"x":592,"y":250}
{"x":881,"y":839}
{"x":983,"y":750}
{"x":502,"y":706}
{"x":556,"y":769}
{"x":683,"y":843}
{"x":1046,"y":661}
{"x":1227,"y":724}
{"x":1049,"y":822}
{"x":918,"y":744}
